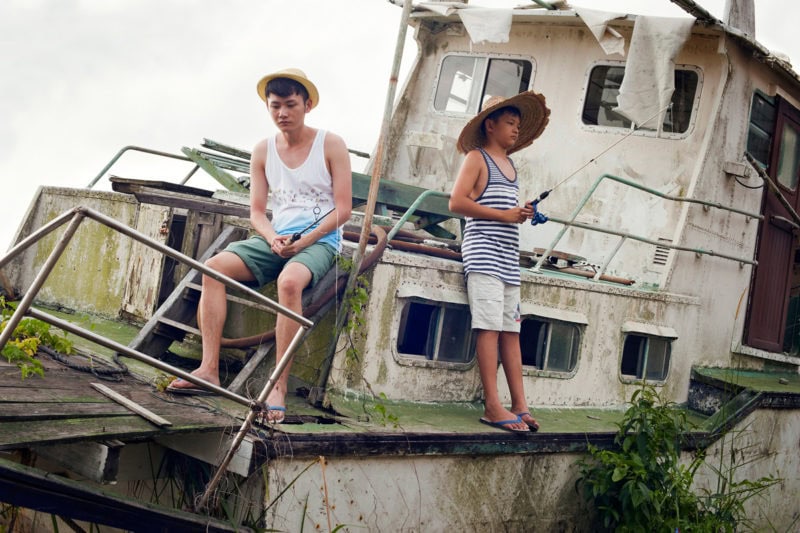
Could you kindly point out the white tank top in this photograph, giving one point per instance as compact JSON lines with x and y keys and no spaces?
{"x":299,"y":196}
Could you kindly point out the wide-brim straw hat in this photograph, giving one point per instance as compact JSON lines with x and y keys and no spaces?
{"x":293,"y":74}
{"x":534,"y":116}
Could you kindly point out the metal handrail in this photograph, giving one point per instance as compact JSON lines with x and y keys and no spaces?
{"x":75,"y":217}
{"x":625,"y":235}
{"x":570,"y":222}
{"x":411,"y":209}
{"x":146,"y":151}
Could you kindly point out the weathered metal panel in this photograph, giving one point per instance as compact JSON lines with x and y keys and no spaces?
{"x":143,"y":276}
{"x":90,"y":275}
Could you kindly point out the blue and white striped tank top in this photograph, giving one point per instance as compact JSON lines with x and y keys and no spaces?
{"x":489,"y":246}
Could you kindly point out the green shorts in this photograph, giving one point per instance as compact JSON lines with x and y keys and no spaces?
{"x":265,"y":265}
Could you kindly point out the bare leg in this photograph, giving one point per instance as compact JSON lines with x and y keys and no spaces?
{"x":511,"y":357}
{"x":211,"y":313}
{"x":293,"y":279}
{"x":487,"y":365}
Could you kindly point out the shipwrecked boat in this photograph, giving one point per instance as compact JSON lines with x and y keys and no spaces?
{"x":668,"y":259}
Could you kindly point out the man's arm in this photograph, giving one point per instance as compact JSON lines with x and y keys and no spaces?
{"x":461,"y":197}
{"x":259,"y":189}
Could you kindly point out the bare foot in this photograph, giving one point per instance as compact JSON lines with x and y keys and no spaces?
{"x":183,"y":384}
{"x":529,"y":420}
{"x":276,"y":405}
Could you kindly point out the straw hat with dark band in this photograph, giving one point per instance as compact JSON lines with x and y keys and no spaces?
{"x":293,"y":74}
{"x":534,"y":116}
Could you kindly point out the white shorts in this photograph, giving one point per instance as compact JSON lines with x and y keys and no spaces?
{"x":494,"y":305}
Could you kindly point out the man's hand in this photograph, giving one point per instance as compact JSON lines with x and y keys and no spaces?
{"x":282,"y":246}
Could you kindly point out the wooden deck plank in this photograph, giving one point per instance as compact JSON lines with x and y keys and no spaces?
{"x":18,"y":434}
{"x":56,"y":411}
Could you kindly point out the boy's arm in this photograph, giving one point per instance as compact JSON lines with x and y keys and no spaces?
{"x":461,"y":200}
{"x":259,"y":189}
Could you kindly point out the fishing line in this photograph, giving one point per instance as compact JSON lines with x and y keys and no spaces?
{"x":596,"y":157}
{"x":296,"y":236}
{"x":540,"y":218}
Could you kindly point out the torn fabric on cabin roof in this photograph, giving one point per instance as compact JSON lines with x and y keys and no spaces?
{"x":649,"y":80}
{"x":487,"y":24}
{"x":483,"y":24}
{"x":610,"y":40}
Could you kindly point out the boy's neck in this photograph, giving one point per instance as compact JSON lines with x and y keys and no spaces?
{"x":495,"y":150}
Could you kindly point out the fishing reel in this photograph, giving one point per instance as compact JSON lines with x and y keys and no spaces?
{"x":538,"y":216}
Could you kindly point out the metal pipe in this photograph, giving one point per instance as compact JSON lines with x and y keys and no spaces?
{"x":546,"y":5}
{"x":190,"y":174}
{"x":645,"y":240}
{"x":248,"y":421}
{"x":375,"y":179}
{"x":773,"y":187}
{"x":609,"y":258}
{"x":412,"y":208}
{"x":38,"y":234}
{"x":139,"y":356}
{"x":40,"y":278}
{"x":571,"y":220}
{"x":166,"y":250}
{"x":136,"y":149}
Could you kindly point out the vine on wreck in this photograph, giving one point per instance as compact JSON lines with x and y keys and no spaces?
{"x":29,"y":334}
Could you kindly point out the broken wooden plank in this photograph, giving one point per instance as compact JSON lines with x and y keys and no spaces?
{"x":133,"y":406}
{"x":42,"y":491}
{"x":97,"y":461}
{"x":212,"y":448}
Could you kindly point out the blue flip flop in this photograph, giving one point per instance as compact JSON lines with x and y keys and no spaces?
{"x":533,"y":426}
{"x":504,"y":424}
{"x":279,"y":408}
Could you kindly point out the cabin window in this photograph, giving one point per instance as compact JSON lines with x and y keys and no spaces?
{"x":762,"y":125}
{"x":549,"y":345}
{"x":465,"y":82}
{"x":437,"y":331}
{"x":603,"y":91}
{"x":645,"y":357}
{"x":789,"y":156}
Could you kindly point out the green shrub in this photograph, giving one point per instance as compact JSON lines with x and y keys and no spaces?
{"x":29,"y":334}
{"x":641,"y":485}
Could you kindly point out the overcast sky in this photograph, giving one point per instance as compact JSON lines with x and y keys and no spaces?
{"x":80,"y":79}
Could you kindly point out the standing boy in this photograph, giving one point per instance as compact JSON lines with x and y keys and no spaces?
{"x":486,"y":191}
{"x":306,"y":173}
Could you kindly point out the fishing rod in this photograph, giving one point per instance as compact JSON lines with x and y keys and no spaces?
{"x":296,"y":236}
{"x":541,"y":218}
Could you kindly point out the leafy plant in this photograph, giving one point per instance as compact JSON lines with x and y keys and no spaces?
{"x":356,"y":301}
{"x":29,"y":334}
{"x":641,"y":485}
{"x":385,"y":416}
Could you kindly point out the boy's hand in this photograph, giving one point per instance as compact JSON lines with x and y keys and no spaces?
{"x":518,"y":215}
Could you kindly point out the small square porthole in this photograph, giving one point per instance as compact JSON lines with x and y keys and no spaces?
{"x":437,"y":331}
{"x":645,"y":357}
{"x":549,"y":345}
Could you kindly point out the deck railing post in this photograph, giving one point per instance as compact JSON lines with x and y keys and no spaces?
{"x":40,"y":278}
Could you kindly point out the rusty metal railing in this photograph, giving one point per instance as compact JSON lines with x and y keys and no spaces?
{"x":74,"y":218}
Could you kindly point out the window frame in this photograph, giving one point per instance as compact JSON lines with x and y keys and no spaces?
{"x":642,"y":360}
{"x":476,"y":98}
{"x":657,"y":133}
{"x":578,"y":326}
{"x":421,"y":360}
